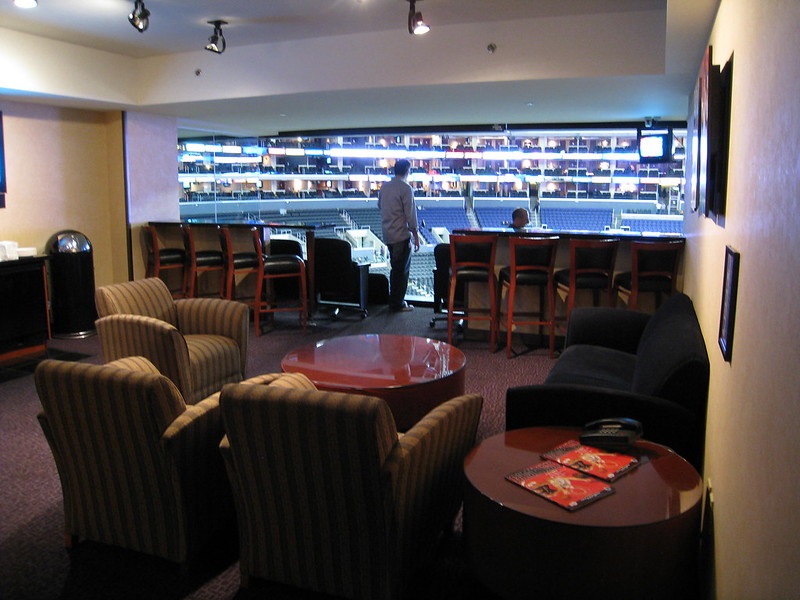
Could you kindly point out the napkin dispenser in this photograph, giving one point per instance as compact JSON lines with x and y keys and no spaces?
{"x":9,"y":251}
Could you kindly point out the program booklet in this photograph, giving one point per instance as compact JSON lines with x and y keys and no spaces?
{"x":604,"y":464}
{"x":567,"y":487}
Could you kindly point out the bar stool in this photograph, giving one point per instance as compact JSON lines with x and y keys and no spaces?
{"x":591,"y":267}
{"x":271,"y":269}
{"x":162,"y":258}
{"x":533,"y":260}
{"x":472,"y":261}
{"x":236,"y":263}
{"x":654,"y":269}
{"x":200,"y":261}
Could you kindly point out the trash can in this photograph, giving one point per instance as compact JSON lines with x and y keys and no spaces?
{"x":71,"y":269}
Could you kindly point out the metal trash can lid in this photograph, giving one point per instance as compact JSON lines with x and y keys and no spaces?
{"x":68,"y":241}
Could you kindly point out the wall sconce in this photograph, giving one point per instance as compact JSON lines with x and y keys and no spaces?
{"x":216,"y":43}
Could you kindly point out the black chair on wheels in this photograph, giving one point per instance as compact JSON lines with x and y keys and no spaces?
{"x":340,"y":281}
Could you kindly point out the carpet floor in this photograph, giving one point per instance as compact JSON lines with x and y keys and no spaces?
{"x":34,"y":564}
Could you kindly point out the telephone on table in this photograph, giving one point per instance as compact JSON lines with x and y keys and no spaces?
{"x":618,"y":433}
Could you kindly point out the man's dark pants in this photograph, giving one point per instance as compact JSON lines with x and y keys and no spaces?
{"x":400,"y":261}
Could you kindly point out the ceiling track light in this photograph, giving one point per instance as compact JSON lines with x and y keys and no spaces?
{"x":216,"y":42}
{"x":416,"y":24}
{"x":26,"y":3}
{"x":140,"y":17}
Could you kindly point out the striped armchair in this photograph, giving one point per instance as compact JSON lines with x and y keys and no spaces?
{"x":329,"y":498}
{"x":139,"y":468}
{"x":199,"y":343}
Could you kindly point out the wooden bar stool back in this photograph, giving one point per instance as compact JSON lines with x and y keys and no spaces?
{"x":238,"y":260}
{"x":162,"y":256}
{"x":472,"y":259}
{"x":591,"y":267}
{"x":272,"y":269}
{"x":201,"y":259}
{"x":654,"y":269}
{"x":533,"y":261}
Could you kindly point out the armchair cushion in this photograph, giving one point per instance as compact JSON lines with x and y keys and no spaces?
{"x":138,"y":468}
{"x":200,"y":348}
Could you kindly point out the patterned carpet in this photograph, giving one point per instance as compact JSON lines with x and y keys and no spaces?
{"x":34,"y":564}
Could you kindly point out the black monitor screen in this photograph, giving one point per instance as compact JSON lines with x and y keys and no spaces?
{"x":655,"y":145}
{"x":2,"y":160}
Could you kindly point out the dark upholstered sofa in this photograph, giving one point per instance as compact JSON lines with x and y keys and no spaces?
{"x":621,"y":363}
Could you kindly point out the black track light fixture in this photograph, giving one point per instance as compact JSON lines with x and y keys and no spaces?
{"x":216,"y":43}
{"x":140,"y":17}
{"x":416,"y":25}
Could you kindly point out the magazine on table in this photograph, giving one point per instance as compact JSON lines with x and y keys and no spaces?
{"x":605,"y":464}
{"x":560,"y":484}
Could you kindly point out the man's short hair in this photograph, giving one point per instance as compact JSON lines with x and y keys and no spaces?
{"x":401,"y":167}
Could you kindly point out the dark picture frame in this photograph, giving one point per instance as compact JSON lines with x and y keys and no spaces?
{"x":708,"y":135}
{"x":730,"y":288}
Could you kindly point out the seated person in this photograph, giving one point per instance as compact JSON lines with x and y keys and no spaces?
{"x":519,"y":218}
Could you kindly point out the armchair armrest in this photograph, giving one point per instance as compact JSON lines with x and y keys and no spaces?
{"x":197,"y":316}
{"x":664,"y":422}
{"x":425,"y":469}
{"x":192,"y":444}
{"x":125,"y":335}
{"x":608,"y":327}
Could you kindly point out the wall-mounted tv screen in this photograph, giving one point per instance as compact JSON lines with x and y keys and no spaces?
{"x":655,"y":145}
{"x":2,"y":162}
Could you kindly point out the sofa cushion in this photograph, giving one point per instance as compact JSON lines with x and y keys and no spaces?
{"x":672,"y":361}
{"x":594,"y":366}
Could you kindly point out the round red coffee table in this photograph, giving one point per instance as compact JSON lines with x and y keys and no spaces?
{"x":413,"y":374}
{"x":639,"y":542}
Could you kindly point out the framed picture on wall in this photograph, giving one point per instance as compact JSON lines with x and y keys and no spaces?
{"x":730,"y":287}
{"x":707,"y":136}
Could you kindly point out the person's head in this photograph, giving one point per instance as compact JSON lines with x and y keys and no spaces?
{"x":519,"y":218}
{"x":402,"y":167}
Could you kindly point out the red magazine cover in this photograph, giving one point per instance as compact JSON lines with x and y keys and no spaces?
{"x":604,"y":464}
{"x":566,"y":487}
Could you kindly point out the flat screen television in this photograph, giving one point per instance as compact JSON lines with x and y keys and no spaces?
{"x":655,"y":145}
{"x":2,"y":162}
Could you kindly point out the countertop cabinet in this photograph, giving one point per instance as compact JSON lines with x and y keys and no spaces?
{"x":24,"y":320}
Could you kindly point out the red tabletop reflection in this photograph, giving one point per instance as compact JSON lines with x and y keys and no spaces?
{"x":413,"y":374}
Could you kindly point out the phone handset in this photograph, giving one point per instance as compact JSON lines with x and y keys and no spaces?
{"x":614,"y":433}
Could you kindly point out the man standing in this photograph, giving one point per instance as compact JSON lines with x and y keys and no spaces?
{"x":399,"y":223}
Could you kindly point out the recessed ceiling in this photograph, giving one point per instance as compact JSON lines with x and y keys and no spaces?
{"x":497,"y":91}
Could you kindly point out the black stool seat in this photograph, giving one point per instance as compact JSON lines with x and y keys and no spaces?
{"x":532,"y":263}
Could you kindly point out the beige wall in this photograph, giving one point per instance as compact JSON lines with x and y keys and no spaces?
{"x":66,"y":169}
{"x":754,"y":411}
{"x":64,"y":172}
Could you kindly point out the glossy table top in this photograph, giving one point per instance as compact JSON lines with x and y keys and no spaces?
{"x":375,"y":361}
{"x":663,"y":486}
